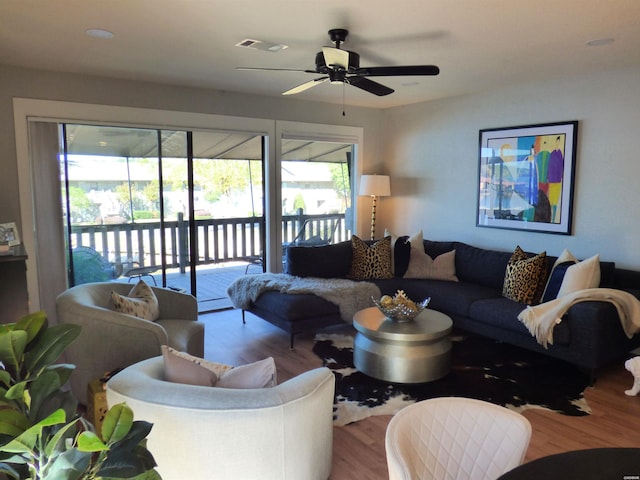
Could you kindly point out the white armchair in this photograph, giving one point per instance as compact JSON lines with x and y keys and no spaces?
{"x":455,"y":438}
{"x":110,"y":340}
{"x":280,"y":433}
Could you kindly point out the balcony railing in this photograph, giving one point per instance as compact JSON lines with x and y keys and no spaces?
{"x":217,"y":240}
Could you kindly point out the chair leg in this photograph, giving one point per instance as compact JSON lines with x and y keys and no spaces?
{"x":291,"y":341}
{"x":243,"y":320}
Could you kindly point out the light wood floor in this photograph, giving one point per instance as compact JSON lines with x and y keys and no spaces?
{"x":358,"y":449}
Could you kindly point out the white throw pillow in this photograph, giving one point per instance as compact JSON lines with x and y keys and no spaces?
{"x":259,"y":374}
{"x":421,"y":265}
{"x":582,"y":275}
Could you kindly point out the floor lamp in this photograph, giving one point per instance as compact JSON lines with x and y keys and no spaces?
{"x":374,"y":186}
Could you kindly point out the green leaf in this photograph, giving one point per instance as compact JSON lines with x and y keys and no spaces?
{"x":25,"y":442}
{"x":69,"y":465}
{"x":90,"y":442}
{"x":12,"y":422}
{"x":12,"y":345}
{"x":16,"y":392}
{"x":64,"y":371}
{"x":137,"y":434}
{"x":40,"y":389}
{"x":32,"y":324}
{"x":7,"y":469}
{"x":50,"y":345}
{"x":122,"y":465}
{"x":5,"y":378}
{"x":117,"y":423}
{"x":57,"y":443}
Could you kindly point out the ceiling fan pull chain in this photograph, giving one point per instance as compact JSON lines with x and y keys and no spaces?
{"x":343,"y":88}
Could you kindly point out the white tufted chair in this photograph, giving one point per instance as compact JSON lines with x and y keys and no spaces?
{"x":455,"y":438}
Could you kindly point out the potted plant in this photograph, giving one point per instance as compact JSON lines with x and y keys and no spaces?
{"x":42,"y":437}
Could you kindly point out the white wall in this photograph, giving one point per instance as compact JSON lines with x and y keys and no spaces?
{"x":431,"y":153}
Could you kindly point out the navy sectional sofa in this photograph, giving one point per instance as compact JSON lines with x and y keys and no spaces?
{"x":589,"y":336}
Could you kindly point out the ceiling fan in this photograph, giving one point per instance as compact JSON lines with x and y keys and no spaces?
{"x":343,"y":66}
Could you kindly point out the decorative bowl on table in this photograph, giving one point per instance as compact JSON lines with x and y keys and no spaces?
{"x":400,"y":308}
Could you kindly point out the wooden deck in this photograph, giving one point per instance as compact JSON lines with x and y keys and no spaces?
{"x":211,"y":282}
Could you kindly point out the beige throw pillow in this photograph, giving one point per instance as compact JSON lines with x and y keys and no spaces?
{"x":260,"y":374}
{"x":180,"y":367}
{"x":421,"y":265}
{"x":140,"y":302}
{"x":183,"y":368}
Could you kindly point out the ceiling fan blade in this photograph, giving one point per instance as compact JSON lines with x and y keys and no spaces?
{"x":369,"y":85}
{"x":259,"y":69}
{"x":398,"y":71}
{"x":335,"y":57}
{"x":306,"y":86}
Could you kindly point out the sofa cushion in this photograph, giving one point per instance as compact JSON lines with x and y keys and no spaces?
{"x":140,"y":302}
{"x":296,"y":307}
{"x":480,"y":266}
{"x":401,"y":250}
{"x":435,"y":248}
{"x":453,"y":298}
{"x":325,"y":261}
{"x":555,"y":280}
{"x":421,"y":265}
{"x":503,"y":313}
{"x":370,"y":261}
{"x":525,"y":277}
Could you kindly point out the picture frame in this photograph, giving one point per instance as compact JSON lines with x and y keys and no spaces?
{"x":9,"y":235}
{"x":526,"y":177}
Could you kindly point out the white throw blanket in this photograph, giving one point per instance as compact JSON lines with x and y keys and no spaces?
{"x":348,"y":295}
{"x":540,"y":319}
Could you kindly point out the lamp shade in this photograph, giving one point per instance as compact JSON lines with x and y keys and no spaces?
{"x":377,"y":185}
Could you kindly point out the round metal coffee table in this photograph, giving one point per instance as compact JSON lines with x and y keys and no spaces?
{"x":417,"y":351}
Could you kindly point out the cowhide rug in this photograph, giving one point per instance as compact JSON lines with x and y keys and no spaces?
{"x":481,"y":368}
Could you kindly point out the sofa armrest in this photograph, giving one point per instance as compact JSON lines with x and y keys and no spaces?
{"x":176,"y":305}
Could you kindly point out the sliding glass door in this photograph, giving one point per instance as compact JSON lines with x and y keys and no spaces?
{"x":316,"y":191}
{"x":168,"y":206}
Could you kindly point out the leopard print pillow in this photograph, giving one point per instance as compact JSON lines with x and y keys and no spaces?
{"x":370,"y":262}
{"x":525,"y":277}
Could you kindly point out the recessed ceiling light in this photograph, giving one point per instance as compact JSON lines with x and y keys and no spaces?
{"x":99,"y":33}
{"x":599,"y":42}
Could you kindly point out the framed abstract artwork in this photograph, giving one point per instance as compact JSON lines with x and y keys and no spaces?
{"x":526,"y":176}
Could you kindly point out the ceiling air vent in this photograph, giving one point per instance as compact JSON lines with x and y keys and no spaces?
{"x":259,"y":45}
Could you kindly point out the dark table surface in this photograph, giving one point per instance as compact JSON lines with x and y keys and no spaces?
{"x":591,"y":464}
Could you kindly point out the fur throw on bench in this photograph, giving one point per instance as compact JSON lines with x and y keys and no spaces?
{"x":348,"y":295}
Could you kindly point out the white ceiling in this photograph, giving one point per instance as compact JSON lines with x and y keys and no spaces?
{"x":478,"y":44}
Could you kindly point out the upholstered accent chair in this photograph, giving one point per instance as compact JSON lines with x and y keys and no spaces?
{"x":454,"y":437}
{"x":278,"y":433}
{"x":110,"y":340}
